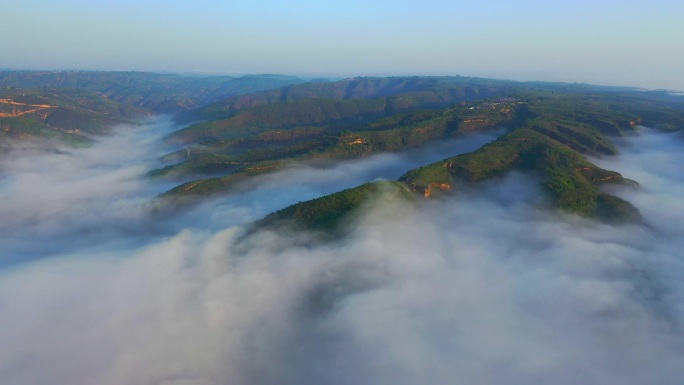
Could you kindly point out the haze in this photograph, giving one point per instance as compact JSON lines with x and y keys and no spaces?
{"x":487,"y":287}
{"x":629,"y":43}
{"x":113,"y":272}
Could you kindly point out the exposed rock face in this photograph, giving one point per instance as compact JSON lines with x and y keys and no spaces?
{"x":440,"y":186}
{"x":568,"y":177}
{"x":597,"y":175}
{"x":19,"y":109}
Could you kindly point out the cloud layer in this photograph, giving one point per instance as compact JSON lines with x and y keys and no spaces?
{"x":485,"y":287}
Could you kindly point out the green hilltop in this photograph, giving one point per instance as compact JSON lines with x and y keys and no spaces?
{"x":549,"y":133}
{"x":241,"y":127}
{"x":541,"y":124}
{"x":328,"y":212}
{"x":570,"y":180}
{"x":272,"y":149}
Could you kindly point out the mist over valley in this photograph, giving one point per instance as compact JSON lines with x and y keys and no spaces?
{"x":368,"y":230}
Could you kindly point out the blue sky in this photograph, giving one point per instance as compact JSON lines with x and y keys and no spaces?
{"x":603,"y":42}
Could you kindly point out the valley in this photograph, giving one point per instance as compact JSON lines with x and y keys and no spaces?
{"x":308,"y":216}
{"x":549,"y":129}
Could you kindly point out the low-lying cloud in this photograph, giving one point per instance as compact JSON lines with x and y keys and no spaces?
{"x":485,"y":287}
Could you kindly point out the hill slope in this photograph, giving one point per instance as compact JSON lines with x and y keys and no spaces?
{"x":161,"y":93}
{"x":570,"y":181}
{"x":65,"y":105}
{"x":549,"y":141}
{"x":269,"y":136}
{"x":63,"y":114}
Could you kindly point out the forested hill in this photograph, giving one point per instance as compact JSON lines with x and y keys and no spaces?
{"x":273,"y":133}
{"x":550,"y":130}
{"x":253,"y":125}
{"x":160,"y":93}
{"x":65,"y":115}
{"x":424,"y":90}
{"x":68,"y":106}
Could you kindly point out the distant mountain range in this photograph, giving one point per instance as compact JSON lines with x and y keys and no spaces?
{"x":237,"y":128}
{"x":159,"y":93}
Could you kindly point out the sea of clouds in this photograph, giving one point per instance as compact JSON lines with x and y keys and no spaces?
{"x":489,"y":286}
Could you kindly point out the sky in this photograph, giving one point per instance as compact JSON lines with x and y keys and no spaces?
{"x":633,"y":43}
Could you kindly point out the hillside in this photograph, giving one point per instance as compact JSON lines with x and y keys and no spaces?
{"x":339,"y":138}
{"x":267,"y":137}
{"x":160,"y":93}
{"x":426,"y":91}
{"x":570,"y":181}
{"x":569,"y":178}
{"x":67,"y":115}
{"x":327,"y":213}
{"x":550,"y":130}
{"x":69,"y":105}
